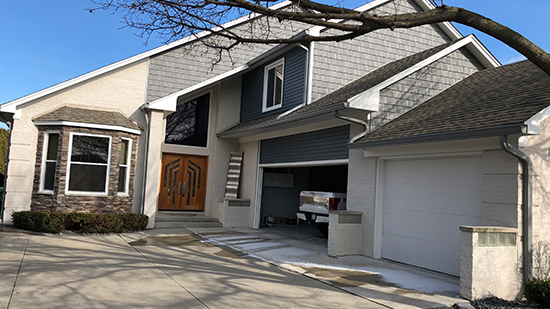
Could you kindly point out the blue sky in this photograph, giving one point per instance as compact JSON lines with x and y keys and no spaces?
{"x":47,"y":42}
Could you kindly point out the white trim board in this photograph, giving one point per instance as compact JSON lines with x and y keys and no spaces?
{"x":87,"y":125}
{"x":11,"y":106}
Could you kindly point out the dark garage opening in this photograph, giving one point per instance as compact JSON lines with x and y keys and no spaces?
{"x":281,"y":192}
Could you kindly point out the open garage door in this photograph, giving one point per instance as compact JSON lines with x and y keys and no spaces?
{"x":424,"y":203}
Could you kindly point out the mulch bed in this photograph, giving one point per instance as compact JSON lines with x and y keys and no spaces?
{"x":497,"y":303}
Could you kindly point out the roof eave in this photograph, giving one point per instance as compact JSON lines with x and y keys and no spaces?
{"x":241,"y":132}
{"x":446,"y":136}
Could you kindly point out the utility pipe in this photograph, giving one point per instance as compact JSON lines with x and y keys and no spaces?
{"x":527,"y":205}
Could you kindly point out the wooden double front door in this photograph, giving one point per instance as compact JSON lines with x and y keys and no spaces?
{"x":183,"y":182}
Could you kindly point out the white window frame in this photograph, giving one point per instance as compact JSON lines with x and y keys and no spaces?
{"x":44,"y":161}
{"x":70,"y":163}
{"x":266,"y":69}
{"x":128,"y":165}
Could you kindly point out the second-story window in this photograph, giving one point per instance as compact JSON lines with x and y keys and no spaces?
{"x":273,"y":86}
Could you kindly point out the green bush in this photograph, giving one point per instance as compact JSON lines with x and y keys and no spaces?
{"x":53,"y":222}
{"x":538,"y":291}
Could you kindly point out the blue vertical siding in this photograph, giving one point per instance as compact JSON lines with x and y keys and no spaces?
{"x":294,"y":86}
{"x":321,"y":145}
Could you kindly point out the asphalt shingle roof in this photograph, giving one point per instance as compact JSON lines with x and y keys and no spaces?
{"x":93,"y":116}
{"x":494,"y":97}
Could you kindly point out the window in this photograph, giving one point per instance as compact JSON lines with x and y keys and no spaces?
{"x":49,"y":161}
{"x":123,"y":175}
{"x":188,"y":125}
{"x":273,"y":86}
{"x":88,"y":168}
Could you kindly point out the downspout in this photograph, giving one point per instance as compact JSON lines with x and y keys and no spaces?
{"x":144,"y":178}
{"x":354,"y":120}
{"x":527,"y":207}
{"x":3,"y":204}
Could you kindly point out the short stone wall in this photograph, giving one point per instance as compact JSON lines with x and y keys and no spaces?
{"x":345,"y":232}
{"x":490,"y":263}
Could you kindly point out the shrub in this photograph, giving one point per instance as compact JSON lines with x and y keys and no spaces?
{"x":52,"y":222}
{"x":46,"y":222}
{"x":538,"y":291}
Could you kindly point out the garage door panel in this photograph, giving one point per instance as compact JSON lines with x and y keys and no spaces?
{"x":424,"y":203}
{"x":437,"y":227}
{"x":457,"y":199}
{"x":464,"y":170}
{"x":443,"y":258}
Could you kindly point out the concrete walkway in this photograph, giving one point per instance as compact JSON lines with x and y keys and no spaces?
{"x":151,"y":270}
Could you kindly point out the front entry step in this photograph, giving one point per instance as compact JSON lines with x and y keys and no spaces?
{"x":170,"y":219}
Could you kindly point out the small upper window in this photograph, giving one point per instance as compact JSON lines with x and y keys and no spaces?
{"x":49,"y":164}
{"x":188,"y":125}
{"x":123,"y":173}
{"x":273,"y":86}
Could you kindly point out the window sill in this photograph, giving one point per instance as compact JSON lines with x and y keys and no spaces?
{"x":122,"y":194}
{"x":272,"y":108}
{"x":80,"y":193}
{"x":46,"y":192}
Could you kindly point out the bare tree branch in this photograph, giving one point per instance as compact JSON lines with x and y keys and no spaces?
{"x":175,"y":19}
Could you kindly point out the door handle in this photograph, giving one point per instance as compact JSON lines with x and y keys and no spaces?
{"x":179,"y":187}
{"x":183,"y":188}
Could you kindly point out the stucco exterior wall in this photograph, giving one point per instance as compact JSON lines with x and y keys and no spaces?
{"x":122,"y":89}
{"x":249,"y":176}
{"x":538,"y":149}
{"x":228,"y":114}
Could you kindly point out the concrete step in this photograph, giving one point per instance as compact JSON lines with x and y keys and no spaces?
{"x":175,"y":219}
{"x":184,"y":224}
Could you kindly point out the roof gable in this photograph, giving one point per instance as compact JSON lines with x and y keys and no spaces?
{"x":507,"y":96}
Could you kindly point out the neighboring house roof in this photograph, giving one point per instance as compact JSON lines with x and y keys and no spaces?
{"x":506,"y":100}
{"x":356,"y":90}
{"x":89,"y":118}
{"x":11,"y":107}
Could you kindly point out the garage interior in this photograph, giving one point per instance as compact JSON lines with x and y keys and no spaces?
{"x":281,"y":189}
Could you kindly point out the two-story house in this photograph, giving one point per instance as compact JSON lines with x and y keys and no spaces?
{"x":164,"y":130}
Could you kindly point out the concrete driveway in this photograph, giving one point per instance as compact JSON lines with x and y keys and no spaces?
{"x":150,"y":270}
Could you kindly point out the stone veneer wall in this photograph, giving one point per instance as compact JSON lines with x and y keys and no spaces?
{"x":59,"y":201}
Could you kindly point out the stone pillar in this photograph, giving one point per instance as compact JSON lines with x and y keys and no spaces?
{"x":345,"y":233}
{"x":489,"y":264}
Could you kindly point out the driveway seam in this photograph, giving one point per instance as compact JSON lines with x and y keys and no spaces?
{"x":164,"y":272}
{"x":17,"y":275}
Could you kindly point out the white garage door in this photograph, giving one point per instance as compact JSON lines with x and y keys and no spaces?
{"x":425,"y":202}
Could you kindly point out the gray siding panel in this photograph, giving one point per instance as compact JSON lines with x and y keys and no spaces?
{"x":192,"y":63}
{"x":338,"y":64}
{"x":326,"y":144}
{"x":293,"y":86}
